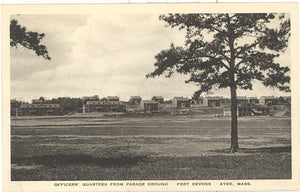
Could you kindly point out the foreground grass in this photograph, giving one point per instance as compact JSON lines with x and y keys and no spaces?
{"x":263,"y":163}
{"x":160,"y":148}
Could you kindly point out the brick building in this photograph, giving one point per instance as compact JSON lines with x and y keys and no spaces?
{"x":158,"y":99}
{"x":181,"y":102}
{"x":253,"y":100}
{"x":225,"y":102}
{"x":244,"y":109}
{"x":104,"y":106}
{"x":135,"y":100}
{"x":241,"y":100}
{"x":41,"y":109}
{"x":267,"y":100}
{"x":248,"y":110}
{"x":212,"y":101}
{"x":198,"y":100}
{"x":148,"y":105}
{"x":113,"y":98}
{"x":252,"y":110}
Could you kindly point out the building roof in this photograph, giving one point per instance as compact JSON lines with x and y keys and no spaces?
{"x":102,"y":102}
{"x":241,"y":97}
{"x":149,"y":102}
{"x":112,"y":97}
{"x":267,"y":97}
{"x":158,"y":97}
{"x":135,"y":97}
{"x":225,"y":98}
{"x":252,"y":98}
{"x":181,"y":98}
{"x":94,"y":102}
{"x":213,"y":98}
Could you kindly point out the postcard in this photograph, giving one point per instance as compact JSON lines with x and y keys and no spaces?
{"x":150,"y":97}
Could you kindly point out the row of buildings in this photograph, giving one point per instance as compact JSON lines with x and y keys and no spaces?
{"x":264,"y":100}
{"x":113,"y":104}
{"x":248,"y":110}
{"x":37,"y":108}
{"x":246,"y":105}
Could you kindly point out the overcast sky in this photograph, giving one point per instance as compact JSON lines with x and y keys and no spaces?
{"x":104,"y":55}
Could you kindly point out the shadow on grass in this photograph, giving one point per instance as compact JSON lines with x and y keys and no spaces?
{"x":266,"y":150}
{"x":78,"y":159}
{"x":258,"y":150}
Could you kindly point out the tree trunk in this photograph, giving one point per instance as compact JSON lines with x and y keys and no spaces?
{"x":234,"y":128}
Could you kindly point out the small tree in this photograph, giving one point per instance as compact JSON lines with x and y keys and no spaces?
{"x":27,"y":39}
{"x":228,"y":50}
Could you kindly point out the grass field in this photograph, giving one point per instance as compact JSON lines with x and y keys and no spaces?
{"x":150,"y":148}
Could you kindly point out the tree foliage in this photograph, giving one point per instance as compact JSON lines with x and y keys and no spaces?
{"x":219,"y":47}
{"x":68,"y":104}
{"x":28,"y":39}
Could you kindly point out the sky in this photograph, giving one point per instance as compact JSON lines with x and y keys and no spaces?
{"x":103,"y":55}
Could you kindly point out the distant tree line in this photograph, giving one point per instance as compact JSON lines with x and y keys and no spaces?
{"x":68,"y":104}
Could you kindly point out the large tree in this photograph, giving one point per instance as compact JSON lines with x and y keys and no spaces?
{"x":28,"y":39}
{"x":228,"y":50}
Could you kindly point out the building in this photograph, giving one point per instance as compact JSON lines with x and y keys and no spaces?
{"x":253,"y":100}
{"x":198,"y":101}
{"x":149,"y":105}
{"x":244,"y":109}
{"x":267,"y":100}
{"x":135,"y":100}
{"x":247,"y":109}
{"x":250,"y":110}
{"x":168,"y":104}
{"x":181,"y":102}
{"x":225,"y":102}
{"x":282,"y":100}
{"x":104,"y":106}
{"x":113,"y":98}
{"x":39,"y":110}
{"x":102,"y":99}
{"x":158,"y":99}
{"x":241,"y":100}
{"x":212,"y":101}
